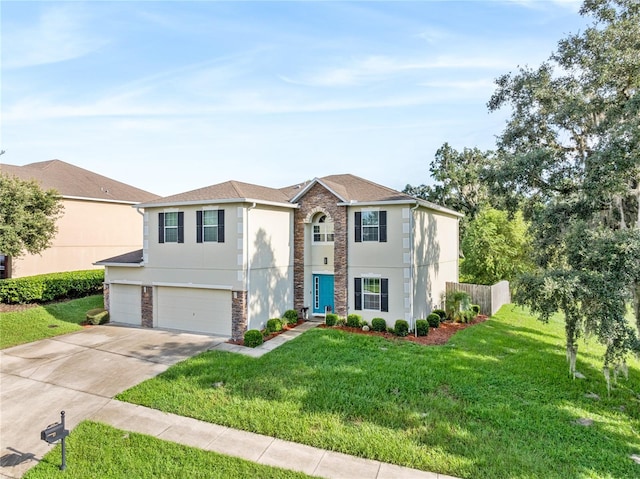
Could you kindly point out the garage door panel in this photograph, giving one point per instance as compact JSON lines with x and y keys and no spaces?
{"x":125,"y":304}
{"x":193,"y":309}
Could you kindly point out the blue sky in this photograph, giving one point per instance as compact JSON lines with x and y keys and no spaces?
{"x":173,"y":96}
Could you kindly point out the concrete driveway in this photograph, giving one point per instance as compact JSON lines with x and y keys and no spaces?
{"x":77,"y":373}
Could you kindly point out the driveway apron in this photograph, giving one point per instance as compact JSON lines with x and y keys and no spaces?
{"x":77,"y":373}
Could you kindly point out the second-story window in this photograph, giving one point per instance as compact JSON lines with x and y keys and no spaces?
{"x":323,"y":230}
{"x":171,"y":227}
{"x":371,"y":225}
{"x":210,"y":226}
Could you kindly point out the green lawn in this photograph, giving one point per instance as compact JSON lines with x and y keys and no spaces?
{"x":95,"y":450}
{"x":496,"y":402}
{"x":45,"y":321}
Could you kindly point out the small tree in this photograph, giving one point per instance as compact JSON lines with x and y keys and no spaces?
{"x":496,"y":247}
{"x":28,"y":216}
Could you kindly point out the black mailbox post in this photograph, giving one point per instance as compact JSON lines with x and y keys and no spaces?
{"x":54,"y":433}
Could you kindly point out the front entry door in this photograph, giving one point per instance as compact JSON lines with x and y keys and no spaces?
{"x":322,"y":293}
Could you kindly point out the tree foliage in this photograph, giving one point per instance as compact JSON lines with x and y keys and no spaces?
{"x":496,"y":247}
{"x":459,"y":182}
{"x":27,"y":216}
{"x":571,"y":151}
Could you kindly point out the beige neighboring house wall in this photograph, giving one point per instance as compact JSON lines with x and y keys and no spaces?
{"x":98,"y":219}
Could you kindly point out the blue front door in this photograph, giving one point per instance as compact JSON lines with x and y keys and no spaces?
{"x":322,"y":293}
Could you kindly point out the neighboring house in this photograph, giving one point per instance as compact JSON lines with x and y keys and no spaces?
{"x":97,"y":221}
{"x":226,"y":258}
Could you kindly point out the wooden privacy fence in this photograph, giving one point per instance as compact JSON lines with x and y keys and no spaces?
{"x":489,"y":298}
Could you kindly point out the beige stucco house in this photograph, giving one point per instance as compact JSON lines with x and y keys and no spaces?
{"x":97,"y":221}
{"x":226,"y":258}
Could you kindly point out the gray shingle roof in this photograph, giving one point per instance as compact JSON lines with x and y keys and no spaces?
{"x":228,"y":190}
{"x":69,"y":180}
{"x":132,"y":257}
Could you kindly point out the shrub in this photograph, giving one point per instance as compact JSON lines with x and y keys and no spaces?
{"x":456,"y":302}
{"x":401,"y":328}
{"x":354,"y":320}
{"x":440,"y":312}
{"x":422,"y":326}
{"x":274,"y":325}
{"x":97,"y":316}
{"x":331,"y":319}
{"x":379,"y":324}
{"x":476,"y":309}
{"x":253,"y":338}
{"x":291,"y":316}
{"x":341,"y":321}
{"x":434,"y":320}
{"x":52,"y":286}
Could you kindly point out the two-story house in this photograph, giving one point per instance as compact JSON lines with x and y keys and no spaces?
{"x":226,"y":258}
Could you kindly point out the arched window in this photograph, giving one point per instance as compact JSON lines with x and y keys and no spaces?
{"x":322,"y":229}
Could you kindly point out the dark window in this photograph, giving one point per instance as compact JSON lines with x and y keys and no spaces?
{"x":210,"y":226}
{"x":371,"y":226}
{"x":171,"y":227}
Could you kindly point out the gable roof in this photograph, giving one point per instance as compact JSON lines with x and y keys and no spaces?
{"x":350,"y":189}
{"x":74,"y":182}
{"x":228,"y":191}
{"x":347,"y":188}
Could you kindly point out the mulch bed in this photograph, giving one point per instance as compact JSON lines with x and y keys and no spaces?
{"x":436,"y":336}
{"x":10,"y":308}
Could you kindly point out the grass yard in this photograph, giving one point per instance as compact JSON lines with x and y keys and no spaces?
{"x":96,"y":450}
{"x":45,"y":321}
{"x":495,"y":402}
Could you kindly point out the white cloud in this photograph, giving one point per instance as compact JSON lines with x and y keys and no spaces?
{"x":375,"y":68}
{"x":60,"y":34}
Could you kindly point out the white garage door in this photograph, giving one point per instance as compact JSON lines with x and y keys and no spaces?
{"x":193,"y":309}
{"x":124,"y":304}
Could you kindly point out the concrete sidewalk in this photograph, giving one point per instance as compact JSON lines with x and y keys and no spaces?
{"x":252,"y":447}
{"x":81,"y":373}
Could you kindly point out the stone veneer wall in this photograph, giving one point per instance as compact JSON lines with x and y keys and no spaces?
{"x":147,"y":306}
{"x":318,"y":199}
{"x":238,"y":314}
{"x":105,"y":292}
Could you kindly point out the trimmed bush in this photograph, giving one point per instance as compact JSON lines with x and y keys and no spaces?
{"x":434,"y":320}
{"x":97,"y":316}
{"x":274,"y":325}
{"x":291,"y":317}
{"x":379,"y":324}
{"x":440,"y":312}
{"x":422,"y":326}
{"x":253,"y":338}
{"x":331,"y":319}
{"x":476,"y":309}
{"x":354,"y":321}
{"x":341,"y":321}
{"x":401,"y":328}
{"x":50,"y":287}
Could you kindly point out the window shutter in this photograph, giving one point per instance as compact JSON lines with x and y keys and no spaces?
{"x":181,"y":227}
{"x":198,"y":226}
{"x":357,"y":293}
{"x":384,"y":294}
{"x":358,"y":227}
{"x":220,"y":226}
{"x":160,"y":227}
{"x":382,"y":218}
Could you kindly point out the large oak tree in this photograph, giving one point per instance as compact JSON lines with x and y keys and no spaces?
{"x":571,"y":150}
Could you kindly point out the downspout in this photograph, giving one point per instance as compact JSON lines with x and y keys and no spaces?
{"x":248,"y":270}
{"x":412,"y":254}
